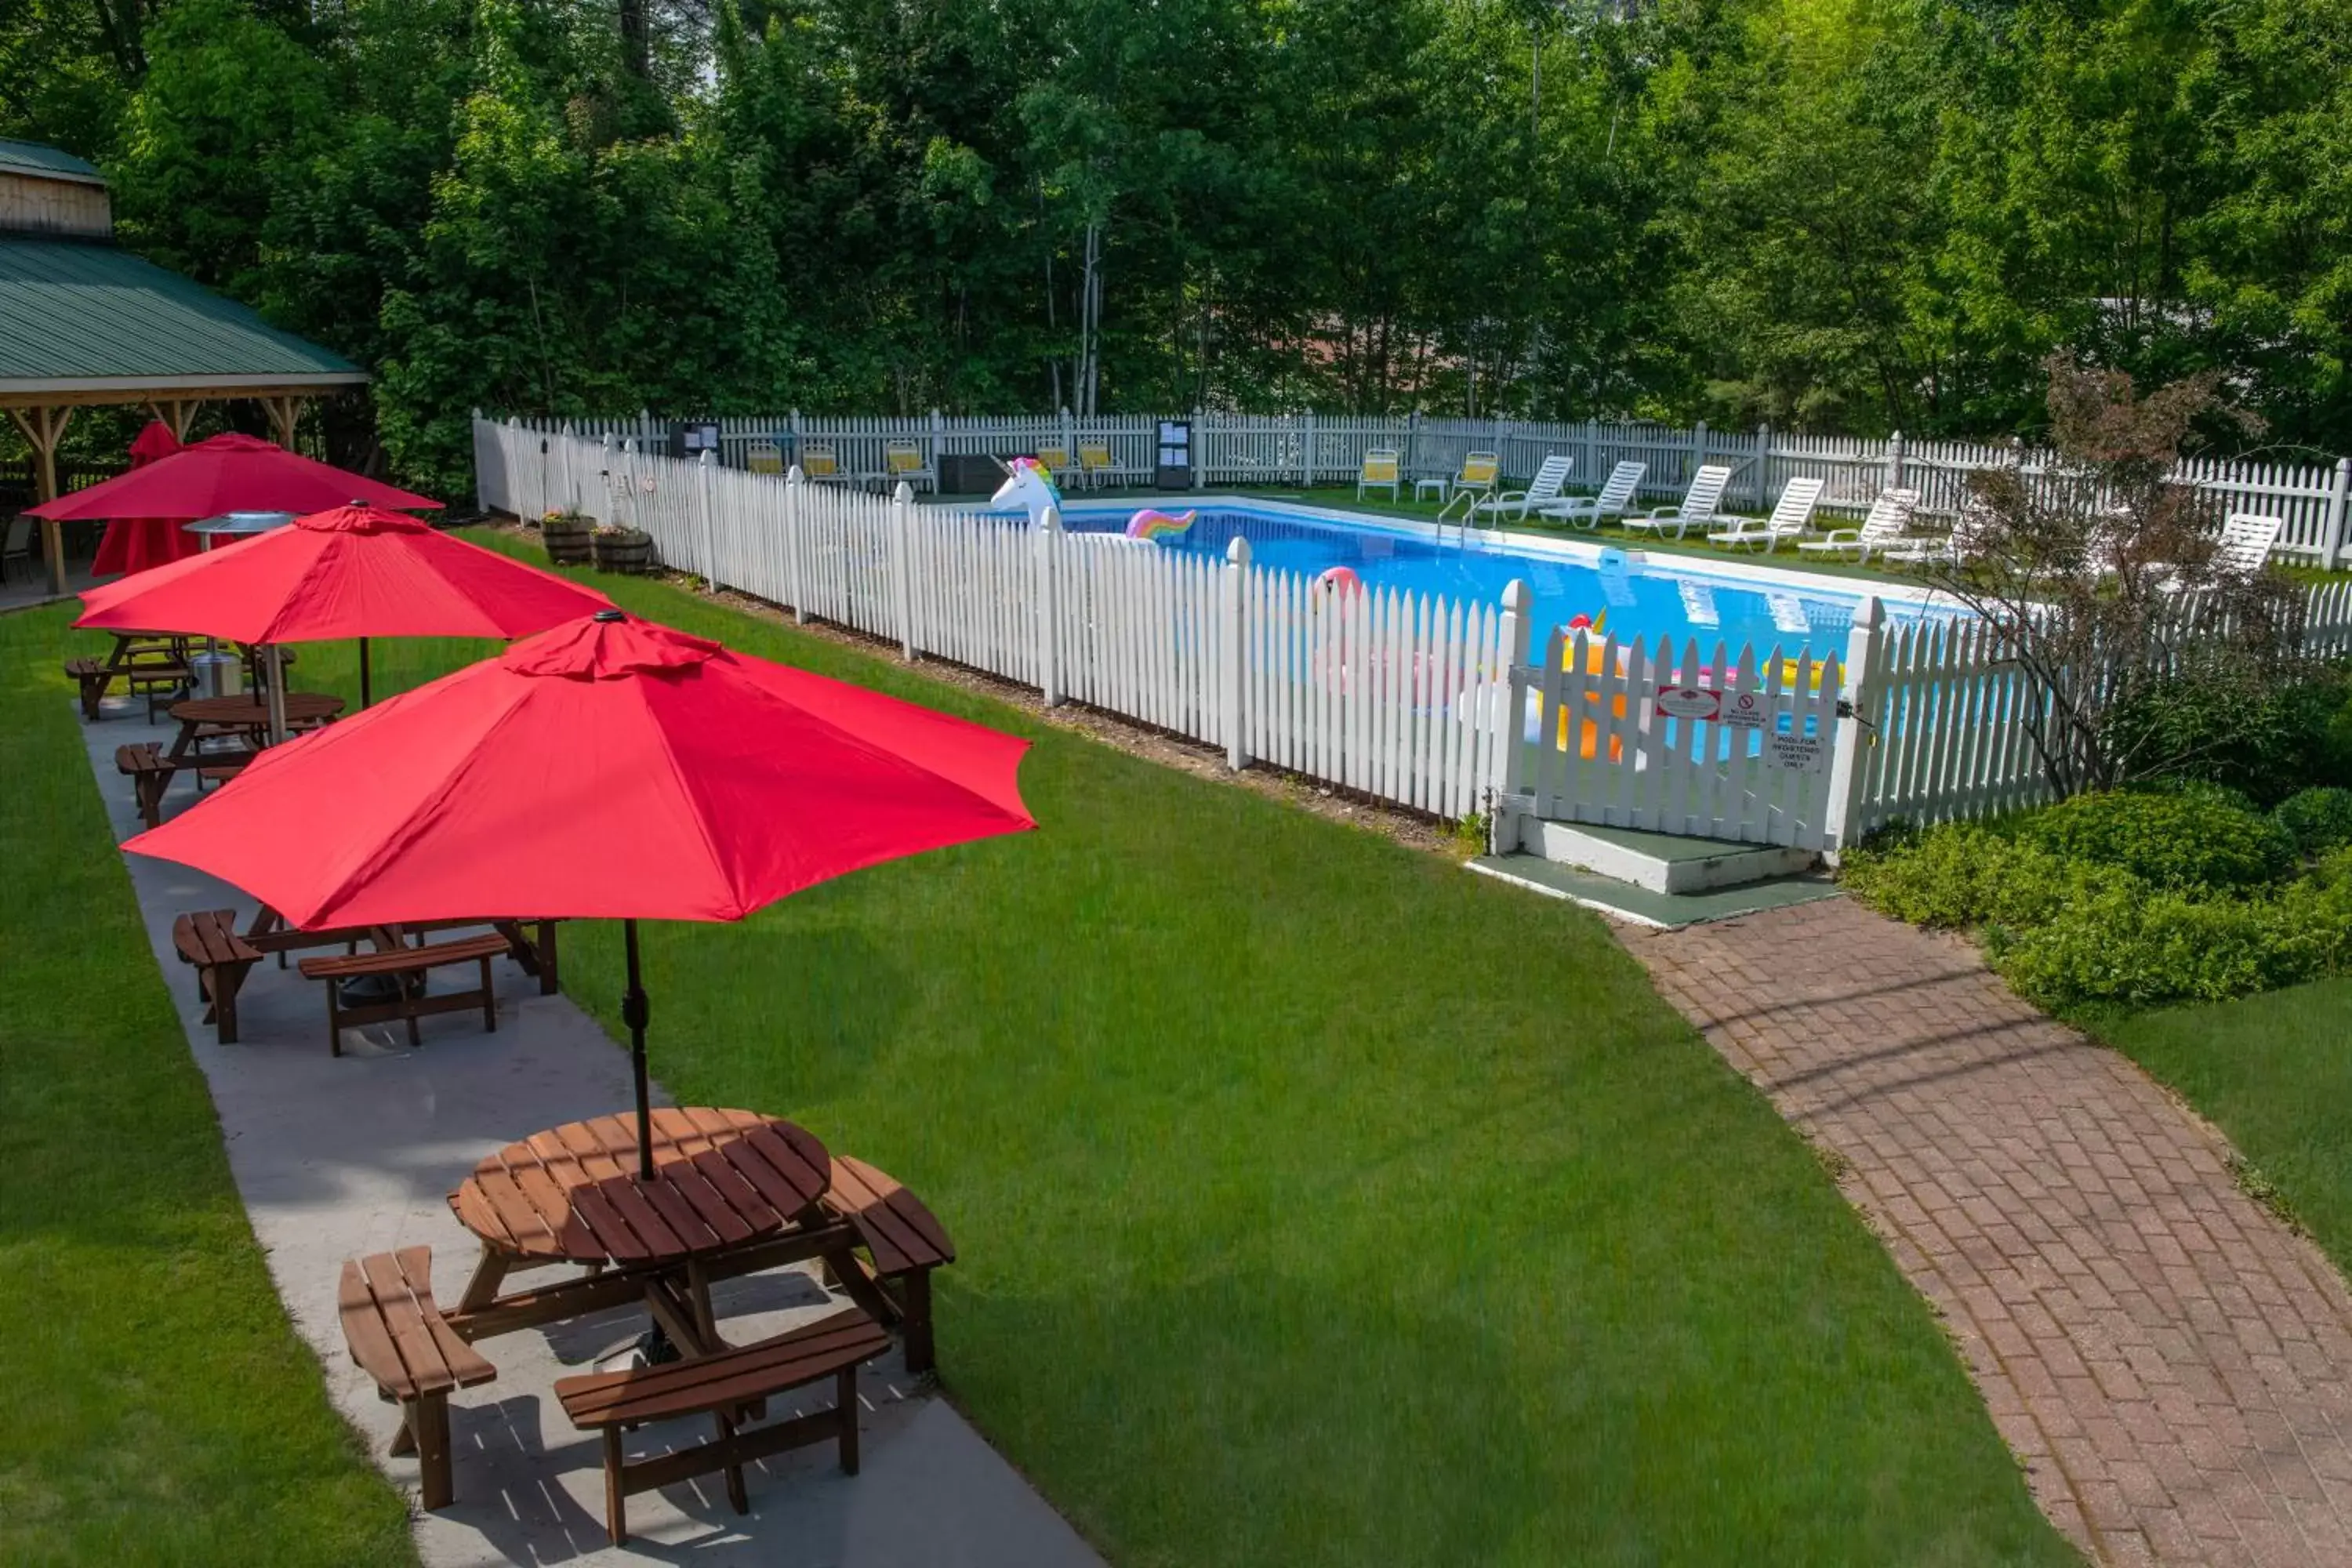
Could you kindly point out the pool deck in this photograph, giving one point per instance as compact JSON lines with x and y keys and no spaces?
{"x":1745,"y":569}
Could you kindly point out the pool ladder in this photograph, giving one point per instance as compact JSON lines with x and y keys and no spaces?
{"x":1469,"y":511}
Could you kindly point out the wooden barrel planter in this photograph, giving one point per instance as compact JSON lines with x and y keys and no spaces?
{"x":567,"y":539}
{"x":624,"y":550}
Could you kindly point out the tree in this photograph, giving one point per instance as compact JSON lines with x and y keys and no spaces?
{"x":2101,"y":581}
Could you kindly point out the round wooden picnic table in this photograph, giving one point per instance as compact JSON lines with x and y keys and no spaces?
{"x":253,"y":713}
{"x":571,"y":1193}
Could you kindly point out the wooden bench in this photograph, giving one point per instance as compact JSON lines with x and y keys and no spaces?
{"x":905,"y":1244}
{"x":150,"y":770}
{"x":208,"y":940}
{"x":150,"y":773}
{"x":157,"y":680}
{"x":399,"y":1338}
{"x":410,"y":965}
{"x":93,"y":678}
{"x":721,"y":1386}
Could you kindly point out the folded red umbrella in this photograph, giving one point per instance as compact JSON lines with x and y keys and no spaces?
{"x":135,"y":544}
{"x":351,"y":572}
{"x":228,"y":473}
{"x":608,"y":768}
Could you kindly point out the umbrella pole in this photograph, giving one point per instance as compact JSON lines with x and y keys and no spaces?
{"x":276,"y":696}
{"x":364,"y":673}
{"x":634,"y":1012}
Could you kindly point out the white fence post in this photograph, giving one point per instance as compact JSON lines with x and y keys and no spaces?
{"x":1698,"y":446}
{"x":604,"y":480}
{"x":1306,"y":450}
{"x":1841,"y":818}
{"x":2333,"y":543}
{"x":1511,"y":724}
{"x":1236,"y":649}
{"x":795,"y":498}
{"x":902,"y":566}
{"x":1894,"y":461}
{"x":1200,"y":447}
{"x":710,"y":534}
{"x":1763,"y":464}
{"x":1049,"y":614}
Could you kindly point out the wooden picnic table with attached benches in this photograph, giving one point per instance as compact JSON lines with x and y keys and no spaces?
{"x":732,"y":1193}
{"x":145,"y":662}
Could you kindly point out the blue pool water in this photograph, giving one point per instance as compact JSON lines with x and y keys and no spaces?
{"x":1647,"y":601}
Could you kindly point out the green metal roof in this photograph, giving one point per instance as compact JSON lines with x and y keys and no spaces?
{"x":88,"y":318}
{"x":34,"y":158}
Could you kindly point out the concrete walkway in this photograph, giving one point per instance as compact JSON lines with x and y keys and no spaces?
{"x":2173,"y":1366}
{"x":335,"y":1157}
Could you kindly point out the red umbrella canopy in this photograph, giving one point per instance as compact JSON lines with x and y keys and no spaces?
{"x":228,"y":473}
{"x":609,"y":768}
{"x":136,"y":543}
{"x":352,"y":572}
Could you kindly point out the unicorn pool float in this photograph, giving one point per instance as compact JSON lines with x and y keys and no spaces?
{"x":1029,"y":484}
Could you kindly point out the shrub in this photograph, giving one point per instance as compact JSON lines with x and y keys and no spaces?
{"x":2268,"y":742}
{"x":2179,"y":839}
{"x":2147,"y":950}
{"x":2318,"y":820}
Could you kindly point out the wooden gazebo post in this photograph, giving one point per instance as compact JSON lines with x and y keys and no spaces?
{"x":43,"y":426}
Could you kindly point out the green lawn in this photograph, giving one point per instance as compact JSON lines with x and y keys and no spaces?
{"x":1317,"y":1203}
{"x":2275,"y":1073}
{"x":155,"y":1406}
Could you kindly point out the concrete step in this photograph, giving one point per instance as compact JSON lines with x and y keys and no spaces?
{"x":1662,"y":862}
{"x":1624,"y":901}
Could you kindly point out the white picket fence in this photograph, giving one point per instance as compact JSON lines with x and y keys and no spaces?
{"x":1420,"y":701}
{"x":1393,"y":695}
{"x":1248,"y":450}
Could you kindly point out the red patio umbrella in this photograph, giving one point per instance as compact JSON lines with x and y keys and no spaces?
{"x":609,"y":768}
{"x":228,"y":473}
{"x":134,"y":543}
{"x":351,"y":572}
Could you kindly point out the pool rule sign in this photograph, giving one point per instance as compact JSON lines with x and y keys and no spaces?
{"x":1753,"y":710}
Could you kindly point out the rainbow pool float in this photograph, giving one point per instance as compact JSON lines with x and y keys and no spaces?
{"x":1150,"y":524}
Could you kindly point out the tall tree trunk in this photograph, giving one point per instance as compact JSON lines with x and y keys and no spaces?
{"x":636,"y":53}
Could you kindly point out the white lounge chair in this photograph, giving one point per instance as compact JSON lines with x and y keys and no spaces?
{"x":1383,"y":469}
{"x":2244,"y":549}
{"x":1697,"y":506}
{"x":1890,"y":514}
{"x":1541,"y":491}
{"x":1615,"y":500}
{"x":1793,"y":518}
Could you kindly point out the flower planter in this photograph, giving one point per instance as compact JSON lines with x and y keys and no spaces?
{"x":567,"y":539}
{"x":624,"y":550}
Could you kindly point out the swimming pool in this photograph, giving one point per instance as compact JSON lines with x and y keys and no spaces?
{"x":1646,"y":598}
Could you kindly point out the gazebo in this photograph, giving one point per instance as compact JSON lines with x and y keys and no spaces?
{"x":83,"y":323}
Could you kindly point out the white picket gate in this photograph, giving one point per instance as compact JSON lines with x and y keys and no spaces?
{"x":1712,"y":744}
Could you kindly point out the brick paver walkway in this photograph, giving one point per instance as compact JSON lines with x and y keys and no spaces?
{"x":2170,"y":1361}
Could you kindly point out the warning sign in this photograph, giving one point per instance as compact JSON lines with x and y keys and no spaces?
{"x":1744,"y":710}
{"x":1685,"y":702}
{"x":1802,"y":752}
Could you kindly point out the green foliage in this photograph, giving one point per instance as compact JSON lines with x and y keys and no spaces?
{"x":2268,"y":742}
{"x":2129,"y":945}
{"x":2184,"y":839}
{"x":2319,"y":820}
{"x":1965,"y":875}
{"x":1811,"y":211}
{"x":2134,"y":899}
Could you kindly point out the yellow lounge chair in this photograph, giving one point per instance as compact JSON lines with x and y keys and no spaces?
{"x":1382,"y":467}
